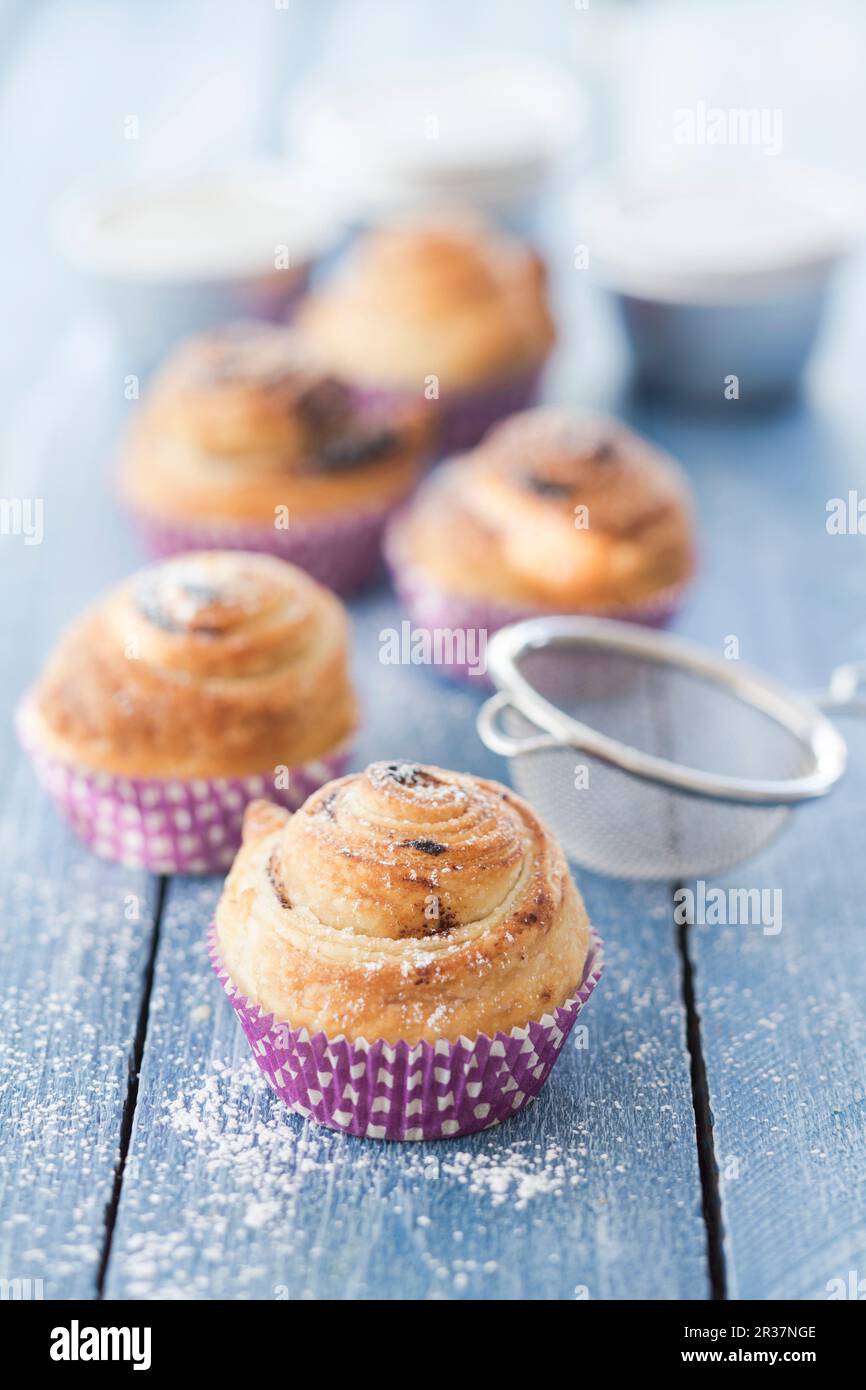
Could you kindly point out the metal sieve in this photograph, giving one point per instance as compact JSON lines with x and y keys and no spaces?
{"x":650,"y":758}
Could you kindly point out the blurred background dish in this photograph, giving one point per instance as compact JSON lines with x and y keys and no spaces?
{"x":486,"y":135}
{"x":722,"y":274}
{"x":169,"y":257}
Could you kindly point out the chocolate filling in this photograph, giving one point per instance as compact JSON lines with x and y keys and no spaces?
{"x":323,"y":404}
{"x":151,"y":608}
{"x":425,"y":846}
{"x":404,"y":774}
{"x":549,"y":487}
{"x":277,"y":884}
{"x":350,"y":451}
{"x":603,"y":452}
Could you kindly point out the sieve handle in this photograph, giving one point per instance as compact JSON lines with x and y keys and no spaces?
{"x":498,"y":741}
{"x":846,"y":690}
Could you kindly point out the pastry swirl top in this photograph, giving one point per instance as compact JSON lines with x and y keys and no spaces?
{"x":554,"y":508}
{"x":244,"y":419}
{"x":449,"y":298}
{"x":207,"y":665}
{"x":404,"y":902}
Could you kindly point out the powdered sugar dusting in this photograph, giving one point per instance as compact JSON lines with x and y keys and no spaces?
{"x":265,"y":1170}
{"x":229,"y":1195}
{"x":74,"y":953}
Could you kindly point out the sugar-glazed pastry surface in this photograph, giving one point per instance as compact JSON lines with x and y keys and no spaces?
{"x":554,"y":510}
{"x":449,"y":297}
{"x":403,"y":903}
{"x":448,"y":313}
{"x":189,"y":690}
{"x":207,"y":665}
{"x":245,"y":440}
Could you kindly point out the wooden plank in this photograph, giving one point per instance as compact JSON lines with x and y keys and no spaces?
{"x":783,"y":1019}
{"x":74,"y":947}
{"x":594,"y":1191}
{"x":246,"y":1200}
{"x":75,"y":934}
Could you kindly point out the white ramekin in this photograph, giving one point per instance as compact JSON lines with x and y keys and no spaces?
{"x":484,"y":135}
{"x":158,"y":287}
{"x":722,"y":278}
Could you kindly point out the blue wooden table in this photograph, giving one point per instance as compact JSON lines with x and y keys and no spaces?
{"x":709,"y":1139}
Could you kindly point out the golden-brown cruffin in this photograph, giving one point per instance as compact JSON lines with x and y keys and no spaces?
{"x":245,"y":420}
{"x":404,"y":902}
{"x":216,"y":664}
{"x":449,"y":297}
{"x":555,"y":509}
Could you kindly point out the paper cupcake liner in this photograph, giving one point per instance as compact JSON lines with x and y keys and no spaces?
{"x":468,"y":415}
{"x":463,"y":417}
{"x":427,"y":1090}
{"x":167,"y":825}
{"x":275,"y":299}
{"x":341,"y":551}
{"x":433,"y":609}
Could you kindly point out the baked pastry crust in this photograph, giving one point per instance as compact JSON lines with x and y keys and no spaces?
{"x":404,"y":902}
{"x":207,"y":665}
{"x":449,"y":297}
{"x":244,"y":420}
{"x":554,"y":509}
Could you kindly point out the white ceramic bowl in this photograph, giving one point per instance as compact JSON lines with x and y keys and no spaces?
{"x":722,"y":278}
{"x":171,"y":257}
{"x":483,"y":135}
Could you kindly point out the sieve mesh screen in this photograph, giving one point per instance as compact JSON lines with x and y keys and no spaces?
{"x":622,"y":825}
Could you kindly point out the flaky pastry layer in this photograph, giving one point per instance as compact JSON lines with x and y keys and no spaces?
{"x":448,"y":298}
{"x":207,"y":665}
{"x":555,"y":509}
{"x":244,"y":425}
{"x":404,"y":902}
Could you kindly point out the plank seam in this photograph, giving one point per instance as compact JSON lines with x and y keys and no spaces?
{"x":131,"y":1101}
{"x":711,"y":1201}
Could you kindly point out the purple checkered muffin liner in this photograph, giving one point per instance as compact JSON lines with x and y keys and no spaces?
{"x":433,"y":609}
{"x":167,"y":825}
{"x":294,"y":298}
{"x":274,"y":299}
{"x":342,"y":551}
{"x":468,"y":415}
{"x":427,"y":1090}
{"x":463,"y":417}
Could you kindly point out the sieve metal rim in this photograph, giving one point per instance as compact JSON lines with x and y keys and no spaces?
{"x":794,"y":712}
